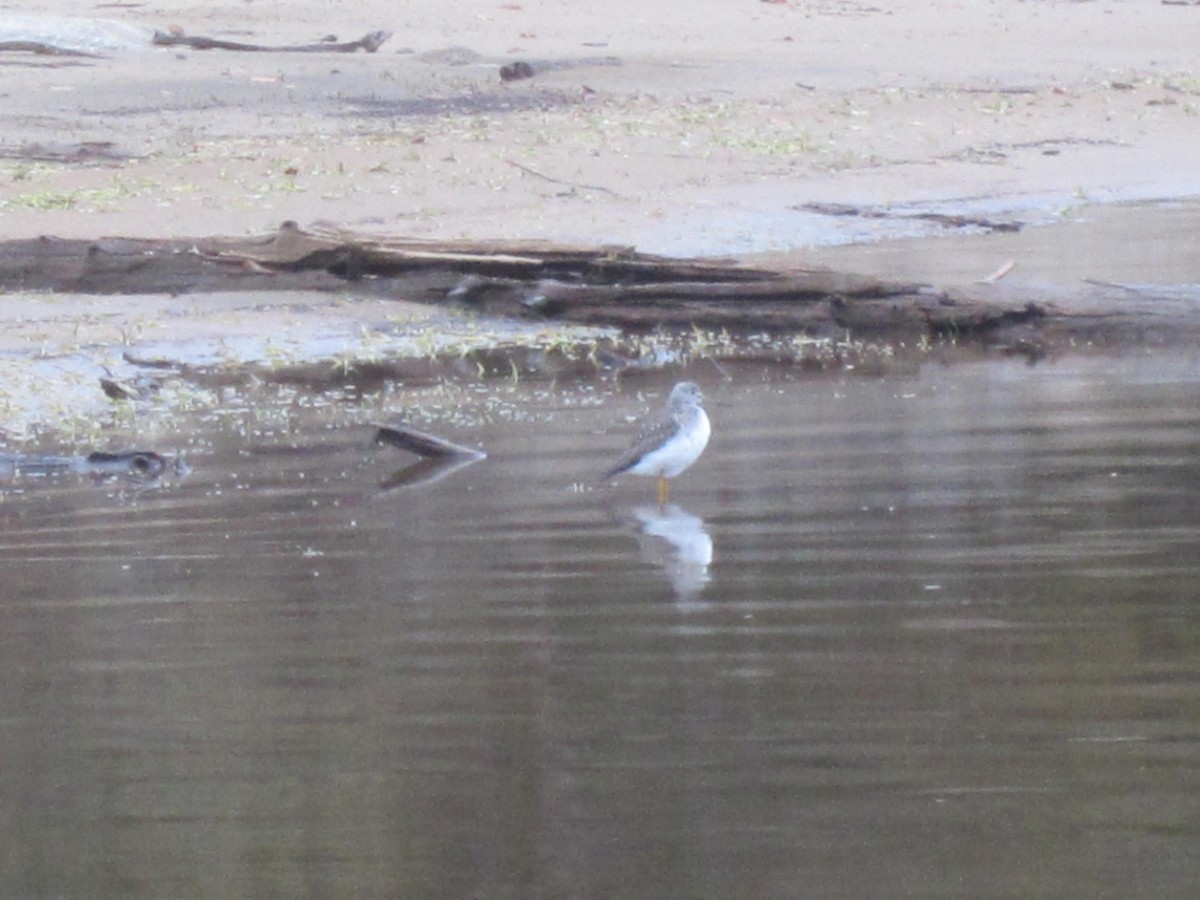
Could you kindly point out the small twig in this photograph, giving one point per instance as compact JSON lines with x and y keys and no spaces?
{"x":572,"y":184}
{"x":999,"y":273}
{"x":1097,"y":282}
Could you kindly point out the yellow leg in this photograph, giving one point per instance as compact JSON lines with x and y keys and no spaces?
{"x":664,"y":489}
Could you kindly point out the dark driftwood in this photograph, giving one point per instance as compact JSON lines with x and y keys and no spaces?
{"x":611,"y":285}
{"x":104,"y":152}
{"x":946,"y":220}
{"x":439,"y":457}
{"x":428,"y":446}
{"x":369,"y":42}
{"x":42,"y":48}
{"x":142,"y":465}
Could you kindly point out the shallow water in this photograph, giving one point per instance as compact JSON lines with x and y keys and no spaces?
{"x":1132,"y":243}
{"x":932,"y":635}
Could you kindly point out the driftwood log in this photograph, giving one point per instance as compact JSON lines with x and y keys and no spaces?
{"x":604,"y":285}
{"x":438,"y":457}
{"x":71,"y":153}
{"x":422,"y":443}
{"x":369,"y":42}
{"x":93,"y":38}
{"x":946,"y":220}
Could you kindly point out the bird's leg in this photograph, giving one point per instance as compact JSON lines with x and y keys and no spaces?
{"x":664,"y":489}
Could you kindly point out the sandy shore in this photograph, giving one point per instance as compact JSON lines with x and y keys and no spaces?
{"x":686,"y":129}
{"x":694,"y":131}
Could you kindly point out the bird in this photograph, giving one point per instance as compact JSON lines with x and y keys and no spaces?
{"x":669,"y":442}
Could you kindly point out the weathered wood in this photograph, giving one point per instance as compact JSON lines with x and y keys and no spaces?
{"x":355,"y":255}
{"x":531,"y":279}
{"x":946,"y":220}
{"x":42,"y":48}
{"x":369,"y":42}
{"x":72,"y":153}
{"x":422,"y":443}
{"x":142,"y":465}
{"x":439,"y":457}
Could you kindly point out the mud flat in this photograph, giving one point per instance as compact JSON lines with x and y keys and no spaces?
{"x":790,"y":136}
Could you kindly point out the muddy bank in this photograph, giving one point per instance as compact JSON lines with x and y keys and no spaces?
{"x":119,"y":333}
{"x":93,"y":326}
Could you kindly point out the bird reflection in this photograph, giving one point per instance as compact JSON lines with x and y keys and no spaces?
{"x":677,"y":541}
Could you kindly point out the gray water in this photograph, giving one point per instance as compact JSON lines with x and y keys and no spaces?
{"x":929,"y":635}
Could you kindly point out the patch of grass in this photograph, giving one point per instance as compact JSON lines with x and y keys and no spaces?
{"x":109,"y":195}
{"x":44,"y":200}
{"x":775,"y":144}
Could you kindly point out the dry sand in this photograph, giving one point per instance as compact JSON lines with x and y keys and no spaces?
{"x":721,"y":116}
{"x":686,"y":128}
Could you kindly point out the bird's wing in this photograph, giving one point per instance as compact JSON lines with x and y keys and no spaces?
{"x":651,"y":436}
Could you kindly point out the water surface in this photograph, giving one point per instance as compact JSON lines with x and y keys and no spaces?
{"x":929,"y":635}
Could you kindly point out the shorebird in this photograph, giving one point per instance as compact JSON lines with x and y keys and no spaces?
{"x":668,"y":443}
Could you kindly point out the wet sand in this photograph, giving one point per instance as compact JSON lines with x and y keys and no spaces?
{"x":693,"y":132}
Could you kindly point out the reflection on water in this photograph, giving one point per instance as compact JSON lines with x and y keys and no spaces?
{"x":678,"y":543}
{"x":933,"y":635}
